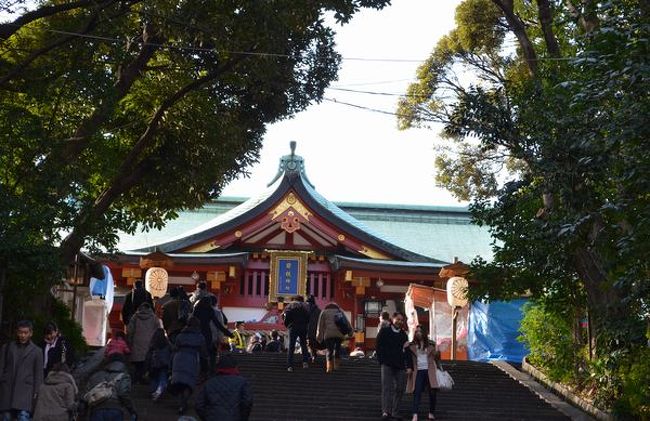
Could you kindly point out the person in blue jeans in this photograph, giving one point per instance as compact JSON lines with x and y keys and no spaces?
{"x":158,"y":360}
{"x":21,"y":368}
{"x":421,"y":372}
{"x":296,"y":319}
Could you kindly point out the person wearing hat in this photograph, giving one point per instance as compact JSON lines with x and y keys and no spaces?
{"x":226,"y":396}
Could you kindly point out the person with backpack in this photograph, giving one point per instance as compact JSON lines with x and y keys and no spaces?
{"x":159,"y":359}
{"x":141,"y":329}
{"x":21,"y":374}
{"x":108,"y":392}
{"x":296,"y":319}
{"x":329,"y":332}
{"x":57,"y":396}
{"x":312,"y":327}
{"x":189,"y":359}
{"x":133,"y":300}
{"x":226,"y":396}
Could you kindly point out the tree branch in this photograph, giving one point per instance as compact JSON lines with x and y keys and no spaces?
{"x":10,"y":28}
{"x":130,"y":172}
{"x":516,"y":25}
{"x":546,"y":20}
{"x":17,"y":69}
{"x":126,"y":77}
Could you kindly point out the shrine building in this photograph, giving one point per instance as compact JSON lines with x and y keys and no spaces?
{"x":256,"y":254}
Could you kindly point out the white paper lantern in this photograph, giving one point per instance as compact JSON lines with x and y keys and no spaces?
{"x":457,"y":291}
{"x":155,"y":281}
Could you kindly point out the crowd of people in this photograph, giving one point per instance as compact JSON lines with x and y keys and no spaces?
{"x":187,"y":346}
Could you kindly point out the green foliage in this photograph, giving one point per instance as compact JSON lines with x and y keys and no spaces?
{"x":116,"y":115}
{"x":60,"y":314}
{"x":571,"y":216}
{"x":635,"y":375}
{"x":549,"y":338}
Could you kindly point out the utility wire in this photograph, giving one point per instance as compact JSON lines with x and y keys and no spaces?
{"x":378,"y":93}
{"x":246,"y":53}
{"x":374,"y":110}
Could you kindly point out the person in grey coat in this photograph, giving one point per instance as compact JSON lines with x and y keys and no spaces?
{"x":57,"y":397}
{"x":329,"y":334}
{"x":226,"y":396}
{"x":190,"y":356}
{"x":112,"y":408}
{"x":21,"y":374}
{"x":142,"y":326}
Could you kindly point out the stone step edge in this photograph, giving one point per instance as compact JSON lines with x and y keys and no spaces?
{"x":566,"y":393}
{"x":529,"y":381}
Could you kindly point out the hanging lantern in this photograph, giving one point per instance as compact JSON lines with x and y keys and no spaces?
{"x":457,"y":291}
{"x":155,"y":282}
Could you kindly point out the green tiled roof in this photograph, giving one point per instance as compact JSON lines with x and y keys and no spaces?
{"x":440,"y":232}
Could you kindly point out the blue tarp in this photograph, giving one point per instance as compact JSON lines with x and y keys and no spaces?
{"x":493,"y":331}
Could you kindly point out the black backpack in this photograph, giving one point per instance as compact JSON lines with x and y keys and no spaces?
{"x":184,"y":310}
{"x":342,"y":323}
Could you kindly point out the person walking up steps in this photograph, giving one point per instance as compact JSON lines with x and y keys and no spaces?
{"x":111,"y":408}
{"x":190,"y":357}
{"x":159,"y":359}
{"x":393,"y":359}
{"x":57,"y":397}
{"x":296,"y":319}
{"x":312,"y":328}
{"x":141,"y":328}
{"x":329,"y":333}
{"x":422,"y":375}
{"x":226,"y":396}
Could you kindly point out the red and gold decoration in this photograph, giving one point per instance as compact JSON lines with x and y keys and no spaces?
{"x":288,"y":274}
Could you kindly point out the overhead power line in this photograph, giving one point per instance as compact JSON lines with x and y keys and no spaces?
{"x":374,"y":110}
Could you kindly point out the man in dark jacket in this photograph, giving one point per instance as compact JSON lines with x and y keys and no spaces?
{"x":296,"y":319}
{"x":112,"y":408}
{"x":133,"y":300}
{"x":204,"y":312}
{"x":171,"y":316}
{"x":393,"y":359}
{"x":226,"y":396}
{"x":21,"y":371}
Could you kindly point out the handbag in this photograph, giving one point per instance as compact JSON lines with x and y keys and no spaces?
{"x":445,"y":382}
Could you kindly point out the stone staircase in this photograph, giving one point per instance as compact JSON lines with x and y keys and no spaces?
{"x":482,"y":392}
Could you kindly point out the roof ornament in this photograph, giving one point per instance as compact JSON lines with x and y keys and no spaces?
{"x":291,"y":164}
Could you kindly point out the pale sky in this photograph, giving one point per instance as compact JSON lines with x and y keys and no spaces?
{"x":355,"y":155}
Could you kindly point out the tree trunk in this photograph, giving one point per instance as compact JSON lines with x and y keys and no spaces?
{"x":519,"y":29}
{"x":546,"y":21}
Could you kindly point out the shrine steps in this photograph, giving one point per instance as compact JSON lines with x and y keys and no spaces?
{"x":482,"y":392}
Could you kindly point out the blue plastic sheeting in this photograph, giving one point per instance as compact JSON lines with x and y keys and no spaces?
{"x":493,"y":331}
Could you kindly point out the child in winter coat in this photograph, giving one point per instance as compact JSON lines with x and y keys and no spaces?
{"x":158,"y":360}
{"x":116,"y":345}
